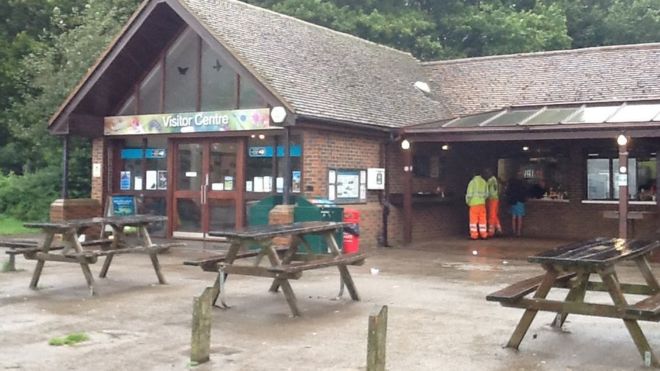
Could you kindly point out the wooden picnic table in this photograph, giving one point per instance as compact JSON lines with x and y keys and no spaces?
{"x":286,"y":262}
{"x":570,"y":266}
{"x":71,"y":250}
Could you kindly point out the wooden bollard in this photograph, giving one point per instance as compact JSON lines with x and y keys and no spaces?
{"x":200,"y":347}
{"x":377,"y":339}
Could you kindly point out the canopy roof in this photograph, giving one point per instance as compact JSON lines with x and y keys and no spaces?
{"x":587,"y":117}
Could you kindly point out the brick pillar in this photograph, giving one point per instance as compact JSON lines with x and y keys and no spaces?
{"x":281,"y":214}
{"x":76,"y":209}
{"x":99,"y":180}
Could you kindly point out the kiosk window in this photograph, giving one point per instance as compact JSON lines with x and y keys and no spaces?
{"x":602,"y":178}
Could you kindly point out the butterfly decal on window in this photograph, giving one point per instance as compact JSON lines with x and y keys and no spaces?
{"x":182,"y":70}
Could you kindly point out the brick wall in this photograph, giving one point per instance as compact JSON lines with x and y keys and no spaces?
{"x":323,"y":150}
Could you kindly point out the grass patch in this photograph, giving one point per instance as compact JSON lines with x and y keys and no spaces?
{"x":71,"y":339}
{"x":9,"y":225}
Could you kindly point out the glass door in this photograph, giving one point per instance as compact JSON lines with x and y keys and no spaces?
{"x":207,"y":195}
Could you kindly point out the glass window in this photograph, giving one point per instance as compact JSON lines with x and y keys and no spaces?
{"x":474,"y":120}
{"x":222,"y":175}
{"x":131,"y":155}
{"x":218,"y":82}
{"x":249,"y":98}
{"x":602,"y":183}
{"x":182,"y":73}
{"x":295,"y":152}
{"x":551,"y":116}
{"x":150,"y":92}
{"x":511,"y":118}
{"x":129,"y":108}
{"x":636,"y":113}
{"x":593,"y":115}
{"x":156,"y":164}
{"x":260,"y":164}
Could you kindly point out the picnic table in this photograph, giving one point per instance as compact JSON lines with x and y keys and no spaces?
{"x":286,"y":262}
{"x":570,"y":266}
{"x":71,"y":249}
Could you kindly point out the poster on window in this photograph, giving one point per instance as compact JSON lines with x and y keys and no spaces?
{"x":295,"y":181}
{"x":125,"y":181}
{"x":348,"y":185}
{"x":152,"y":180}
{"x":162,"y":179}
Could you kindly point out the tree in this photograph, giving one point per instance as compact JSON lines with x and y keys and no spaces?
{"x":49,"y":72}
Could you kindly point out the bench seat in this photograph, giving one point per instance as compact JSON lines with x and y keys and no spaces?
{"x":647,"y":307}
{"x":520,"y":289}
{"x":211,"y":264}
{"x":295,"y":267}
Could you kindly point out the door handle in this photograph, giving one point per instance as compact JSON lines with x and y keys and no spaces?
{"x":202,"y":194}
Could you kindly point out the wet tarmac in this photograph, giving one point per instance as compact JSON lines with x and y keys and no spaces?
{"x":438,"y":316}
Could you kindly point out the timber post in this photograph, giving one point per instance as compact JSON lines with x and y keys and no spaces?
{"x":200,"y":347}
{"x":376,"y":339}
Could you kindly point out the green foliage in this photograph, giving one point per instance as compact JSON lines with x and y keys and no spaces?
{"x":633,"y":21}
{"x":9,"y":226}
{"x":71,"y":339}
{"x":28,"y":197}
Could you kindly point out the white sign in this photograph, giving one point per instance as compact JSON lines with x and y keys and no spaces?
{"x":96,"y":170}
{"x":622,"y":179}
{"x":375,"y":179}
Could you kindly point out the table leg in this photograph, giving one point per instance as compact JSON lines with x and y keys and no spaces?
{"x":527,"y":318}
{"x":274,"y":261}
{"x":635,"y":331}
{"x":343,"y":269}
{"x":286,"y":259}
{"x":290,"y":296}
{"x":234,"y":248}
{"x":575,"y":294}
{"x":219,"y":290}
{"x":647,"y":273}
{"x":156,"y":264}
{"x":45,"y":246}
{"x":73,"y":240}
{"x":106,"y":265}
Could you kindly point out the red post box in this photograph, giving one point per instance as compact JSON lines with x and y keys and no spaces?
{"x":352,"y":231}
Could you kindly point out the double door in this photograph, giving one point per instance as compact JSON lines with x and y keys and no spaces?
{"x":208,"y":186}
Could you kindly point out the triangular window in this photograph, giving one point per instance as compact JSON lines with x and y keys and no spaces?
{"x":191,"y":76}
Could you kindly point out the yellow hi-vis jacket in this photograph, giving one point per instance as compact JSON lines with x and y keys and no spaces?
{"x":477,"y":191}
{"x":493,"y":188}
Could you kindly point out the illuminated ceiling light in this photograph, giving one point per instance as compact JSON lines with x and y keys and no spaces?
{"x":253,"y":136}
{"x":262,"y":137}
{"x":445,"y":147}
{"x":623,"y":170}
{"x":525,"y":148}
{"x":405,"y":144}
{"x":278,"y":114}
{"x":622,"y":140}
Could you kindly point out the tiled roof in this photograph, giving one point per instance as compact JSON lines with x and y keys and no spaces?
{"x":614,"y":73}
{"x":320,"y":72}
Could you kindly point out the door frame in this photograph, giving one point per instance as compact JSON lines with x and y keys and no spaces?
{"x":237,"y":194}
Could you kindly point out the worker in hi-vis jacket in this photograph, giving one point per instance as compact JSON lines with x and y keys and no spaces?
{"x":493,"y":204}
{"x":475,"y":198}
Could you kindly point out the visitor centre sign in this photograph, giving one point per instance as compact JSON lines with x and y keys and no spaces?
{"x":190,"y":122}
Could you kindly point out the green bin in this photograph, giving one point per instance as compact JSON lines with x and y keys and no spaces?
{"x":318,"y":210}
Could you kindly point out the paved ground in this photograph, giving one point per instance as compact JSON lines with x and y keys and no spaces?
{"x":438,"y":317}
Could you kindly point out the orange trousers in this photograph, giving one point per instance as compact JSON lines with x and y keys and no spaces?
{"x":493,"y":212}
{"x":478,"y":222}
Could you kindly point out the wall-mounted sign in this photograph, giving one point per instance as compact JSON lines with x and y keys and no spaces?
{"x":267,"y":151}
{"x":189,"y":122}
{"x":375,"y":178}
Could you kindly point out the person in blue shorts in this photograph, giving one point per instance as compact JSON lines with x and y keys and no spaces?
{"x":516,"y":194}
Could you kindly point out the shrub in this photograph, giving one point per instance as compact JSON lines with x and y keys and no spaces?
{"x":28,"y":197}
